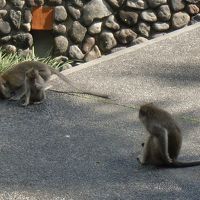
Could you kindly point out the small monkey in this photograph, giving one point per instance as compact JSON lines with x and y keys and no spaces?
{"x":12,"y":80}
{"x":33,"y":89}
{"x":164,"y":141}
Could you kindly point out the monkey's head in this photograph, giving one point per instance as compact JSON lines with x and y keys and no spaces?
{"x":5,"y":92}
{"x":32,"y":73}
{"x":147,"y":112}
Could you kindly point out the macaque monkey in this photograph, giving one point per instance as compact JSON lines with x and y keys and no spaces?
{"x":164,"y":141}
{"x":5,"y":92}
{"x":12,"y":81}
{"x":33,"y":89}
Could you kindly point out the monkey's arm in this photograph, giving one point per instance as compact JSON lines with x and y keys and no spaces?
{"x":143,"y":158}
{"x":162,"y":136}
{"x":40,"y":84}
{"x":27,"y":98}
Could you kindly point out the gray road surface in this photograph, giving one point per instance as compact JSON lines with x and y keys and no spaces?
{"x":85,"y":148}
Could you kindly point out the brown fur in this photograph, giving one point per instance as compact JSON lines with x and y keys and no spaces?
{"x":165,"y":138}
{"x":13,"y":80}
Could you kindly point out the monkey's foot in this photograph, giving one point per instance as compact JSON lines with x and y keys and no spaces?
{"x":169,"y":160}
{"x":139,"y":159}
{"x":37,"y":102}
{"x":14,"y":98}
{"x":25,"y":104}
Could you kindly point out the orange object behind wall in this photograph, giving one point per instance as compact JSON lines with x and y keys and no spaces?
{"x":42,"y":18}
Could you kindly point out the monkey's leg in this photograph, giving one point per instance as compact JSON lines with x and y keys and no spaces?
{"x":18,"y":94}
{"x":143,"y":158}
{"x":43,"y":97}
{"x":162,"y":135}
{"x":27,"y":97}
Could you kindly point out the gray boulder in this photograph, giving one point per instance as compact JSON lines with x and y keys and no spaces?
{"x":137,"y":4}
{"x":156,"y":3}
{"x":77,"y":32}
{"x":128,"y":17}
{"x":164,"y":13}
{"x":161,"y":26}
{"x":144,"y":29}
{"x":95,"y":28}
{"x":2,"y":3}
{"x":107,"y":41}
{"x":88,"y":44}
{"x":95,"y":9}
{"x":60,"y":45}
{"x":4,"y":27}
{"x":75,"y":52}
{"x":60,"y":14}
{"x":149,"y":16}
{"x":180,"y":20}
{"x":23,"y":40}
{"x":111,"y":23}
{"x":15,"y":17}
{"x":125,"y":36}
{"x":178,"y":5}
{"x":93,"y":54}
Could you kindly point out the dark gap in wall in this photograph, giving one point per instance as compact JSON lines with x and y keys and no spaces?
{"x":43,"y":42}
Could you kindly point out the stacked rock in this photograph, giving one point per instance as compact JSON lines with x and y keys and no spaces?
{"x":86,"y":29}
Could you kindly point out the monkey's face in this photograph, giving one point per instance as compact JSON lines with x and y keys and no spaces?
{"x":146,"y":112}
{"x":142,"y":114}
{"x":4,"y":89}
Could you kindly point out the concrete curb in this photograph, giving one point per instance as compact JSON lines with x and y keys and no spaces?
{"x":128,"y":50}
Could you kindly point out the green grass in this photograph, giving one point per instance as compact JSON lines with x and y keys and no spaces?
{"x":8,"y":60}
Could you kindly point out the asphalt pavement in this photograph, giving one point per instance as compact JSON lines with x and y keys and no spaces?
{"x":84,"y":148}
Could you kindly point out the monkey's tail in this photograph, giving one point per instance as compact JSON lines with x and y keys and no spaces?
{"x":64,"y":78}
{"x":179,"y":164}
{"x":79,"y":91}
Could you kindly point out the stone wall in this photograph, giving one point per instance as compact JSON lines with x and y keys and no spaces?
{"x":86,"y":29}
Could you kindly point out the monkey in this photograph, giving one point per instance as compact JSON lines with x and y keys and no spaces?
{"x":5,"y":92}
{"x":164,"y":141}
{"x":33,"y":89}
{"x":12,"y":80}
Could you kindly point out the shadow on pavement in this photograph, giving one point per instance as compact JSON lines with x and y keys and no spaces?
{"x":85,"y":148}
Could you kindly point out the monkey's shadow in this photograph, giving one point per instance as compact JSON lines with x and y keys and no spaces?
{"x":78,"y":146}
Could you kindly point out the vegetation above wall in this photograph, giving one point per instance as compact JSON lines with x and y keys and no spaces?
{"x":9,"y":60}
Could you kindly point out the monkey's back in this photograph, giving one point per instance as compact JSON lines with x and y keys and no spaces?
{"x":174,"y":133}
{"x":15,"y":75}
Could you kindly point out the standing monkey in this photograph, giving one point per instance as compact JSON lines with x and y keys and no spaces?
{"x":12,"y":81}
{"x":164,"y":141}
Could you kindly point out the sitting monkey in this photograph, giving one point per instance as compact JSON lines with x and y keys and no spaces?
{"x":33,"y":90}
{"x":164,"y":142}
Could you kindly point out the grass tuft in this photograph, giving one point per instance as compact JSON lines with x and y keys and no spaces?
{"x":8,"y":60}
